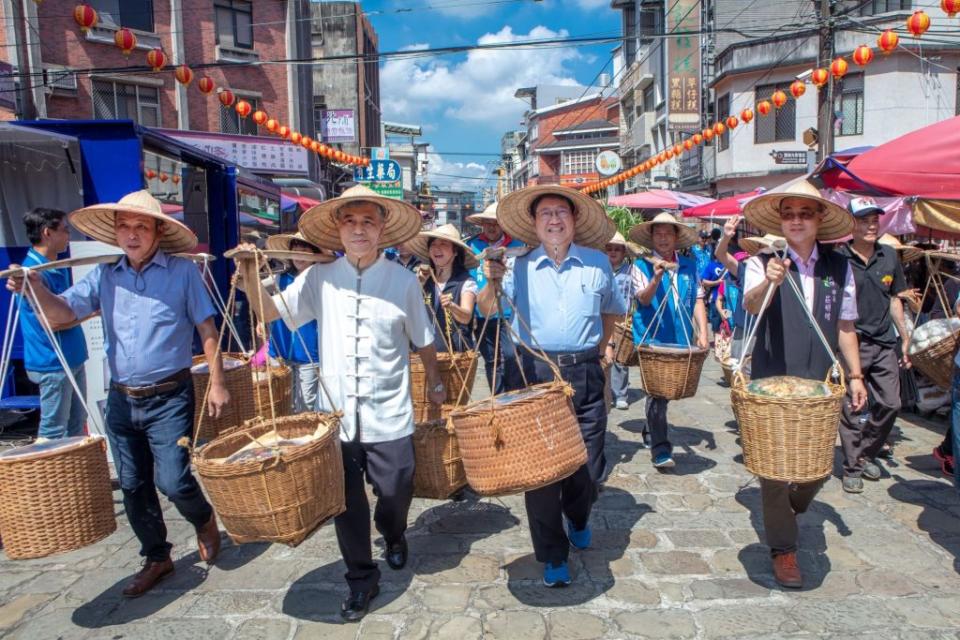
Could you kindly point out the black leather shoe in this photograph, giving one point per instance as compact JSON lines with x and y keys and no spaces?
{"x":397,"y":554}
{"x":357,"y":603}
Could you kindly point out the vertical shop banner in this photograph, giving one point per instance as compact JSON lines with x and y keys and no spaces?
{"x":338,"y":125}
{"x":683,"y":64}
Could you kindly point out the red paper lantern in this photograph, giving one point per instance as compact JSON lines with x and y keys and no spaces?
{"x":295,"y":137}
{"x":677,"y":149}
{"x":688,"y":144}
{"x":708,"y":134}
{"x":125,"y":40}
{"x":697,"y":138}
{"x":272,"y":125}
{"x":85,"y":16}
{"x":315,"y":146}
{"x":669,"y":154}
{"x":283,"y":131}
{"x":918,"y":23}
{"x":763,"y":107}
{"x":888,"y":41}
{"x":950,"y":7}
{"x":306,"y":141}
{"x":226,"y":97}
{"x":732,"y":122}
{"x":797,"y":88}
{"x":863,"y":54}
{"x":151,"y":174}
{"x":259,"y":117}
{"x":183,"y":74}
{"x":164,"y":177}
{"x":719,"y":129}
{"x":156,"y":59}
{"x":243,"y":108}
{"x":839,"y":68}
{"x":175,"y":179}
{"x":206,"y":85}
{"x":746,"y":115}
{"x":820,"y":77}
{"x":778,"y":98}
{"x":661,"y":157}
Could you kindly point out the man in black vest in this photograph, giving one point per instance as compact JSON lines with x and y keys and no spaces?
{"x":879,"y":277}
{"x":786,"y":342}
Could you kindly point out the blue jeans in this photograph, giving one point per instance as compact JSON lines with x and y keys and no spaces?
{"x":143,"y":435}
{"x":61,"y":412}
{"x":619,"y":381}
{"x":955,"y":421}
{"x":507,"y":366}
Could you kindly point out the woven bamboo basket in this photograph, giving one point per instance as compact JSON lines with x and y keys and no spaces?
{"x":455,"y":369}
{"x":625,"y":350}
{"x":936,"y":361}
{"x":670,"y":373}
{"x":56,"y":501}
{"x":281,"y":500}
{"x":240,"y":408}
{"x":727,"y":367}
{"x":528,"y":440}
{"x":439,"y":466}
{"x":428,"y":412}
{"x":787,"y":439}
{"x":281,"y":379}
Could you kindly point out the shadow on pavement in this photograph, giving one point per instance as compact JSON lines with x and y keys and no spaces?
{"x":935,"y":519}
{"x":615,"y":515}
{"x":439,"y":540}
{"x":813,"y":553}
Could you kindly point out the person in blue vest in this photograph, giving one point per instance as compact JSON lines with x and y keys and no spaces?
{"x":621,"y":261}
{"x":702,"y":251}
{"x":664,"y":236}
{"x":786,"y":343}
{"x":61,"y":411}
{"x":506,"y":367}
{"x":301,"y":353}
{"x":450,"y":292}
{"x":402,"y":255}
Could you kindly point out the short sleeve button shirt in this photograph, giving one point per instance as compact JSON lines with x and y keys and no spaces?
{"x":877,"y":280}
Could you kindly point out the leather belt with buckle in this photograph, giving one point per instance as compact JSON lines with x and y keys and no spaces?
{"x":569,"y":359}
{"x":168,"y":384}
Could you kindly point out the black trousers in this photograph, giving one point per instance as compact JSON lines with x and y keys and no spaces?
{"x":505,"y":364}
{"x":658,"y":427}
{"x":782,"y":503}
{"x":572,"y":497}
{"x":388,"y":467}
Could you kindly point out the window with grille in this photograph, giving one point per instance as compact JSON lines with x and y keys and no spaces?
{"x":723,"y":108}
{"x":119,"y":101}
{"x":848,"y":105}
{"x":779,"y":124}
{"x":579,"y":161}
{"x":234,"y":23}
{"x":319,"y":106}
{"x":134,"y":14}
{"x":873,"y":7}
{"x":231,"y":122}
{"x":650,"y":97}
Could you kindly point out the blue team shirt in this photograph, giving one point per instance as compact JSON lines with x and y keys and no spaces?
{"x":148,"y":316}
{"x":478,"y":244}
{"x":562,"y":306}
{"x":38,"y":354}
{"x":702,"y":256}
{"x":285,"y":344}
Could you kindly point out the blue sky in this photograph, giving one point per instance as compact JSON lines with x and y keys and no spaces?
{"x":465,"y":102}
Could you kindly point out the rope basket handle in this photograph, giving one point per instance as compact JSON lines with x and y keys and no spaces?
{"x":447,"y":336}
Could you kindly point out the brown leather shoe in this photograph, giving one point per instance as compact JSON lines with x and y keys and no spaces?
{"x":208,"y":540}
{"x":786,"y":571}
{"x":153,"y":572}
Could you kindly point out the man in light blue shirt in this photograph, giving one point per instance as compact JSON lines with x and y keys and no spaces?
{"x":61,"y":410}
{"x":150,"y":303}
{"x":566,"y":303}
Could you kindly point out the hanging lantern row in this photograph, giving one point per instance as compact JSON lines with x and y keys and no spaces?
{"x":260,"y":117}
{"x":150,"y":174}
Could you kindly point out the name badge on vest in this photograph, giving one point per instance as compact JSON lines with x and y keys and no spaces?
{"x":829,"y":297}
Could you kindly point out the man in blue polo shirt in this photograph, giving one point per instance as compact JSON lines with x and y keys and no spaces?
{"x":61,"y":411}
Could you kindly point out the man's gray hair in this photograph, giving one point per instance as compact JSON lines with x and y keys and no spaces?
{"x":380,"y":210}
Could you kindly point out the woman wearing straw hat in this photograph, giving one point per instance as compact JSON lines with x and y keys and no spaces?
{"x":368,"y":311}
{"x":786,"y":343}
{"x":493,"y":333}
{"x":664,"y":235}
{"x":150,"y":303}
{"x":300,"y":352}
{"x":449,"y":290}
{"x":565,"y":303}
{"x":621,"y":261}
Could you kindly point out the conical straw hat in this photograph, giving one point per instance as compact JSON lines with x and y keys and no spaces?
{"x":593,"y":226}
{"x":419,"y":246}
{"x":642,"y":233}
{"x":99,"y":221}
{"x":319,"y":223}
{"x":763,"y":211}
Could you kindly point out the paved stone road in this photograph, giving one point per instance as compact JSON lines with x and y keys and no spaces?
{"x":675,"y":556}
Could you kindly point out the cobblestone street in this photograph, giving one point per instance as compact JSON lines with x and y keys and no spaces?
{"x":675,"y":555}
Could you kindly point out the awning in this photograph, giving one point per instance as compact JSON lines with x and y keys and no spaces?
{"x":723,"y":208}
{"x":658,"y":199}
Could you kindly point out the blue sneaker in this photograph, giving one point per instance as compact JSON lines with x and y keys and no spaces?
{"x":663,"y":461}
{"x":556,"y":575}
{"x":579,"y":539}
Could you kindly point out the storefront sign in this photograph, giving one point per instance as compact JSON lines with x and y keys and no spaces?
{"x":338,"y":125}
{"x":683,"y":63}
{"x":608,"y":163}
{"x":388,"y":189}
{"x":378,"y":171}
{"x":259,"y":154}
{"x":789,"y":157}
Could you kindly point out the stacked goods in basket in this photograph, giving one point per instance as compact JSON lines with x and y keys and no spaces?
{"x":275,"y":480}
{"x":55,"y":497}
{"x":932,"y":349}
{"x":788,"y":426}
{"x":670,"y":371}
{"x":438,"y":471}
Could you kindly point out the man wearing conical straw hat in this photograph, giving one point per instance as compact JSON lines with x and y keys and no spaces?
{"x":150,"y":303}
{"x":490,"y":331}
{"x":565,"y":303}
{"x":683,"y":297}
{"x":786,"y":343}
{"x":368,"y":310}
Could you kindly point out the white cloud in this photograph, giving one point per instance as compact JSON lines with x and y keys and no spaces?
{"x":456,"y":176}
{"x":479,"y":89}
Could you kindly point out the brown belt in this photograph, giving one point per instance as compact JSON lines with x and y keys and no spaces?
{"x":166,"y":385}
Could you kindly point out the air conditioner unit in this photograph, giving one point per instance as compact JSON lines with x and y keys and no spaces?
{"x":60,"y":78}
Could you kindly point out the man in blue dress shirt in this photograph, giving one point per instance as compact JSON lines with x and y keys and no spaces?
{"x":150,"y":302}
{"x":61,"y":411}
{"x":564,"y":293}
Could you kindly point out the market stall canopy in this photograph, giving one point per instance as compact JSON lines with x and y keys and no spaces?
{"x":723,"y":208}
{"x":923,"y":163}
{"x":658,"y":199}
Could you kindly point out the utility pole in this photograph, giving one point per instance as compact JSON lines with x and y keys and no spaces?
{"x":825,"y":96}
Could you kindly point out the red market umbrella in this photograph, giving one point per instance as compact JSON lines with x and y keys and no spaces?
{"x":658,"y":199}
{"x":723,"y":208}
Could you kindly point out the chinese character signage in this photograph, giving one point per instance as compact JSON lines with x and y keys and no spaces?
{"x":338,"y":125}
{"x":683,"y":65}
{"x":378,"y":171}
{"x":262,"y":155}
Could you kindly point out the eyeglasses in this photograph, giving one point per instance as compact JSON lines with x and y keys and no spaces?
{"x":559,"y":214}
{"x":794,"y":215}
